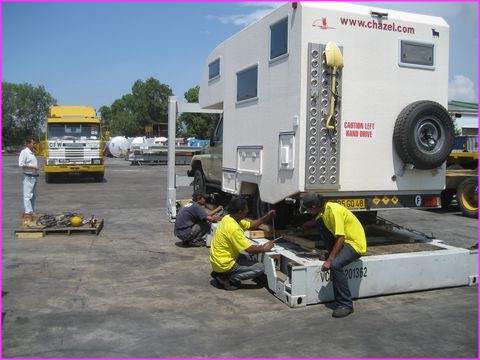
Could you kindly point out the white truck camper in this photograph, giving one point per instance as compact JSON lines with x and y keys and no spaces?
{"x":343,"y":100}
{"x":335,"y":98}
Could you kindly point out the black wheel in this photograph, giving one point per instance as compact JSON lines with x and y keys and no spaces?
{"x":424,"y":134}
{"x":99,"y":177}
{"x":48,"y":178}
{"x":199,"y":181}
{"x":467,"y":197}
{"x":258,"y":207}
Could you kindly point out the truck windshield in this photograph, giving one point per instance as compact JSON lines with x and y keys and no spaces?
{"x":73,"y":131}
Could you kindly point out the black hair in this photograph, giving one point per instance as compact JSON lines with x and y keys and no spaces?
{"x":313,"y":199}
{"x":236,"y":205}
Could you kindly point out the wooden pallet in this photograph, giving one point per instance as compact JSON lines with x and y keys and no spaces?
{"x":36,"y":233}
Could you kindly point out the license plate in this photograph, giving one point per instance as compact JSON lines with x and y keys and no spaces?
{"x":351,"y":203}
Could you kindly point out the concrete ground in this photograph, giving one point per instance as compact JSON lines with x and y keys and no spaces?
{"x":133,"y":292}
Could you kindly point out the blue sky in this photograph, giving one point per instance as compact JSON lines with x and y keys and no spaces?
{"x":92,"y":53}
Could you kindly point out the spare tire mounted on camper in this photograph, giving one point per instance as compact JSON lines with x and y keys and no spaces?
{"x":424,"y":134}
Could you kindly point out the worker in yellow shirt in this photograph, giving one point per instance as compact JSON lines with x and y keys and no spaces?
{"x":231,"y":266}
{"x":348,"y":243}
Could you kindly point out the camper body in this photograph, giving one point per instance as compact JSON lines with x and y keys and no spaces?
{"x":369,"y":131}
{"x":73,"y":143}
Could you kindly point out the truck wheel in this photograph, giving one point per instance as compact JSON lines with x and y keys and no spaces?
{"x":467,"y":197}
{"x":48,"y":178}
{"x":199,"y":181}
{"x":424,"y":134}
{"x":259,"y":208}
{"x":99,"y":177}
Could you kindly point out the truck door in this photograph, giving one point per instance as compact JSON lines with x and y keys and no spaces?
{"x":214,"y":167}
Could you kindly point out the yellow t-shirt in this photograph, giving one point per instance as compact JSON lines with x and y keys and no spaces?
{"x":342,"y":222}
{"x":227,"y":243}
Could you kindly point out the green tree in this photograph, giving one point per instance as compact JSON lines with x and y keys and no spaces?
{"x":195,"y":125}
{"x":147,"y":104}
{"x":24,"y":111}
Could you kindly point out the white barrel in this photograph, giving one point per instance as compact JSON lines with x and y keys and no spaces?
{"x":118,"y":146}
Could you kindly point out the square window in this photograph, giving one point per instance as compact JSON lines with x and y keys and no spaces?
{"x":279,"y":38}
{"x":214,"y":69}
{"x":416,"y":54}
{"x":247,"y":81}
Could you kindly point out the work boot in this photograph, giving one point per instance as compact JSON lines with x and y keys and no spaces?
{"x":261,"y":280}
{"x":224,"y":281}
{"x":236,"y":283}
{"x":342,"y":311}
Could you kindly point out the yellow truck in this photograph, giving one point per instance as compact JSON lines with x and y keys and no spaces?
{"x":462,"y":176}
{"x":74,"y":143}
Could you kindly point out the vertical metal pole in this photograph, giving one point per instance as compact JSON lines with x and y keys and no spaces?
{"x":171,"y":192}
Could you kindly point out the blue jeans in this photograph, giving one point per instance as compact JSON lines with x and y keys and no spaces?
{"x":341,"y":291}
{"x":29,"y":193}
{"x":245,"y":268}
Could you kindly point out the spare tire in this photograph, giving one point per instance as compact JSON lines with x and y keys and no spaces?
{"x":424,"y":134}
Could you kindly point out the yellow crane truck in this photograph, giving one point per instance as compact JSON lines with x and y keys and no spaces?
{"x":462,"y":176}
{"x":74,"y":143}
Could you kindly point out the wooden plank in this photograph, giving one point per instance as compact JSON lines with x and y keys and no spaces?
{"x":29,"y":235}
{"x":255,"y":234}
{"x":99,"y":227}
{"x":65,"y":230}
{"x":401,"y":248}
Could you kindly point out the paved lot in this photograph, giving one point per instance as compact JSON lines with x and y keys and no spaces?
{"x":133,"y":292}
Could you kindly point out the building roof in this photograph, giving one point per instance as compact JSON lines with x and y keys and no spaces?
{"x":462,"y":107}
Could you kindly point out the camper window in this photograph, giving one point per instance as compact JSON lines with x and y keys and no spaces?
{"x":214,"y":69}
{"x":279,"y":38}
{"x":416,"y":54}
{"x":247,"y":81}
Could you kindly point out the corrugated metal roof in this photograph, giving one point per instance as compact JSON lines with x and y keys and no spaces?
{"x":463,"y":107}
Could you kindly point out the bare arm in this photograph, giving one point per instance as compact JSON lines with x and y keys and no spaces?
{"x":257,"y":222}
{"x":257,"y":249}
{"x":339,"y":241}
{"x":215,"y":211}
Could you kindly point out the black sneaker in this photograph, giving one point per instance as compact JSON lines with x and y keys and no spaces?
{"x":198,"y":243}
{"x":342,"y":311}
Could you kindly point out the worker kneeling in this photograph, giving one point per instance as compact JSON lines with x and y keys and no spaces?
{"x":347,"y":244}
{"x":230,"y":265}
{"x":193,"y":221}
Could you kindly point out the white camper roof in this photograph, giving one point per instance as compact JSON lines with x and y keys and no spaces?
{"x":354,"y":9}
{"x":392,"y":14}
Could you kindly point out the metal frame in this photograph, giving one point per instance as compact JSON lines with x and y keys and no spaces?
{"x":299,"y":281}
{"x":175,"y":108}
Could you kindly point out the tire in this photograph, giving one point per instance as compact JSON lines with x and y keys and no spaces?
{"x":99,"y":177}
{"x":199,"y":181}
{"x":259,"y":208}
{"x":424,"y":134}
{"x":283,"y":213}
{"x":467,"y":197}
{"x":48,"y":178}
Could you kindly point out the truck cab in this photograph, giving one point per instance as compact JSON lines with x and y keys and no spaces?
{"x":206,"y":168}
{"x":74,"y":143}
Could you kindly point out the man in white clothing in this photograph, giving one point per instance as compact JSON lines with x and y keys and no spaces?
{"x":28,"y":162}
